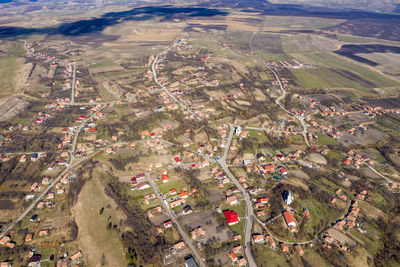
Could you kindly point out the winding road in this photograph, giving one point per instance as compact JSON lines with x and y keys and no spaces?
{"x":278,"y":102}
{"x":153,"y":69}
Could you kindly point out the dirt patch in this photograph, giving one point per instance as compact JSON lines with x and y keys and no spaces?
{"x":11,"y":106}
{"x":93,"y":237}
{"x":342,"y":238}
{"x":203,"y":219}
{"x":317,"y":158}
{"x":6,"y":204}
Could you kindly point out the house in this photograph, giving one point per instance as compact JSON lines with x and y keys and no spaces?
{"x":172,"y":192}
{"x":190,"y":262}
{"x":299,"y":250}
{"x":4,"y":240}
{"x":10,"y":244}
{"x":306,"y":213}
{"x":231,"y":217}
{"x":290,"y":220}
{"x":183,"y":194}
{"x":43,"y":232}
{"x":143,"y":186}
{"x":179,"y":245}
{"x":176,"y":203}
{"x":28,"y":237}
{"x":241,"y":261}
{"x":232,"y":199}
{"x":168,"y":224}
{"x":285,"y":247}
{"x":271,"y":241}
{"x":237,"y":249}
{"x":5,"y":264}
{"x":263,"y":200}
{"x":233,"y":256}
{"x":164,"y":178}
{"x":258,"y":238}
{"x":77,"y":255}
{"x":45,"y":180}
{"x":34,"y":186}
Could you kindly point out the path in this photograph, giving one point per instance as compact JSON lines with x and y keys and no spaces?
{"x":277,"y":101}
{"x":56,"y":180}
{"x":73,"y":84}
{"x":153,"y":68}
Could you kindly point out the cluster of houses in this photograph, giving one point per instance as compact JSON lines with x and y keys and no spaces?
{"x":349,"y":221}
{"x":41,"y":56}
{"x":236,"y":255}
{"x":24,"y":158}
{"x":357,"y":160}
{"x":338,"y":195}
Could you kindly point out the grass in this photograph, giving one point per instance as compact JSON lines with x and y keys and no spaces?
{"x":335,"y":155}
{"x":321,"y":214}
{"x":362,"y":78}
{"x":93,"y":236}
{"x":46,"y":252}
{"x":175,"y":184}
{"x":8,"y":67}
{"x":268,"y":257}
{"x":323,"y":139}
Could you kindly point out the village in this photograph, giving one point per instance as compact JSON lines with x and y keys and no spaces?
{"x":199,"y":154}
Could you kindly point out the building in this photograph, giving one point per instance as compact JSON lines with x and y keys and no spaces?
{"x":143,"y":186}
{"x":287,"y":197}
{"x":232,"y":199}
{"x":299,"y":250}
{"x":271,"y":241}
{"x":231,"y":217}
{"x":290,"y":220}
{"x":179,"y":245}
{"x":77,"y":255}
{"x":258,"y":238}
{"x":190,"y":262}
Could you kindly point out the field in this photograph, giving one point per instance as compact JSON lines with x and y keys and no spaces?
{"x":94,"y":237}
{"x":8,"y":67}
{"x":335,"y":72}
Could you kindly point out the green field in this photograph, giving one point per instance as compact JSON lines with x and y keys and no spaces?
{"x":323,"y":139}
{"x":335,"y":72}
{"x":8,"y":68}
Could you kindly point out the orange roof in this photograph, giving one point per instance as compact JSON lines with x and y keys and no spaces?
{"x":183,"y":194}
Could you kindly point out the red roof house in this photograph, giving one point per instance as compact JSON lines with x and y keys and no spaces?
{"x":231,"y":217}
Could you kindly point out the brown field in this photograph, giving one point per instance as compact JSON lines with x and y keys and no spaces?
{"x":93,"y":237}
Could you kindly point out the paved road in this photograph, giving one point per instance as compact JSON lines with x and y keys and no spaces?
{"x":153,"y":68}
{"x":278,"y":102}
{"x":175,"y":220}
{"x":56,"y":180}
{"x":73,"y":84}
{"x":249,"y":206}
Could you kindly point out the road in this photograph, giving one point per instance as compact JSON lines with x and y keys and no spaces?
{"x":273,"y":131}
{"x":299,"y":118}
{"x":83,"y":124}
{"x":153,"y":69}
{"x":56,"y":180}
{"x":249,"y":206}
{"x":73,"y":84}
{"x":175,"y":220}
{"x":375,"y":171}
